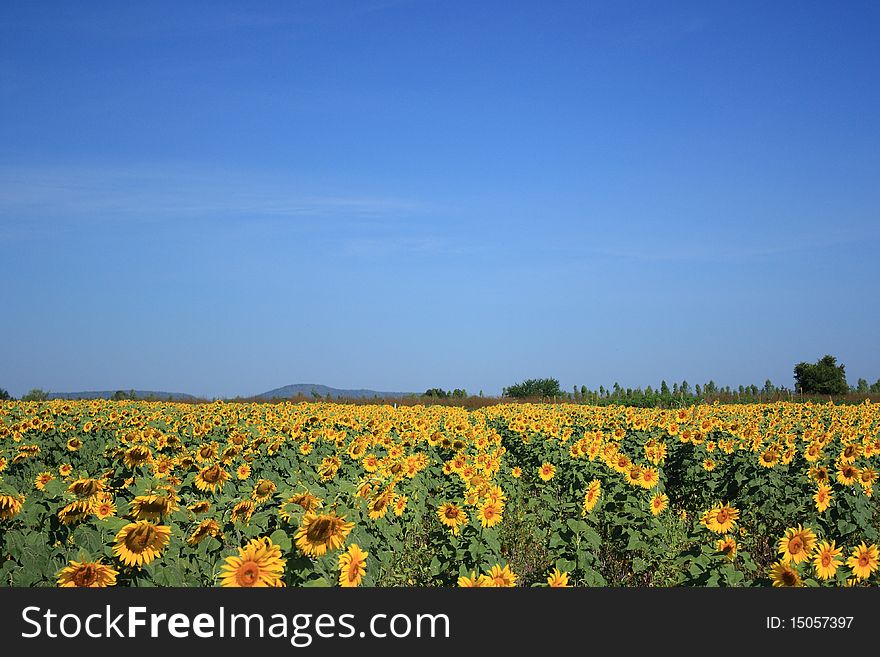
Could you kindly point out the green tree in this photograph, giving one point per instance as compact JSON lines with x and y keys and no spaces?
{"x":664,"y":388}
{"x":534,"y":388}
{"x":4,"y":395}
{"x":862,"y":386}
{"x":825,"y":377}
{"x":875,"y":387}
{"x":36,"y":394}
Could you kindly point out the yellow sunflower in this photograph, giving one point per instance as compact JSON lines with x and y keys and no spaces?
{"x":88,"y":574}
{"x":211,"y":478}
{"x":826,"y":561}
{"x":727,"y":546}
{"x":475,"y":581}
{"x":152,"y":507}
{"x":103,"y":506}
{"x":259,"y":563}
{"x":822,"y":498}
{"x":784,"y":575}
{"x":557,"y":579}
{"x":352,"y":566}
{"x":42,"y":479}
{"x":659,"y":503}
{"x":76,"y":511}
{"x":10,"y":505}
{"x":502,"y":577}
{"x":243,"y":471}
{"x":591,"y":497}
{"x":490,"y":514}
{"x":797,"y":544}
{"x":547,"y":471}
{"x":242,"y":511}
{"x":206,"y":528}
{"x":863,"y":560}
{"x":263,"y":490}
{"x":139,"y":543}
{"x":721,"y":519}
{"x":452,"y":516}
{"x":319,"y":533}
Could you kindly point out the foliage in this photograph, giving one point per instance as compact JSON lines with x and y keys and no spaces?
{"x":534,"y":388}
{"x":825,"y":377}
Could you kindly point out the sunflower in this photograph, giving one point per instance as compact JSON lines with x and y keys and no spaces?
{"x":769,"y":458}
{"x":502,"y":577}
{"x":263,"y":490}
{"x":259,"y":563}
{"x":400,"y":505}
{"x":378,"y":506}
{"x":103,"y":506}
{"x":863,"y":560}
{"x":797,"y":544}
{"x":650,"y":478}
{"x":319,"y":532}
{"x":708,"y":465}
{"x":65,"y":469}
{"x":825,"y":561}
{"x":822,"y":497}
{"x":88,"y":574}
{"x":721,"y":518}
{"x":516,"y":472}
{"x":727,"y":546}
{"x":783,"y":574}
{"x":76,"y":511}
{"x":242,"y":512}
{"x":352,"y":566}
{"x":137,"y":455}
{"x":211,"y":478}
{"x":452,"y":516}
{"x":138,"y":543}
{"x":151,"y":507}
{"x":546,"y":471}
{"x":84,"y":488}
{"x":847,"y":474}
{"x":659,"y":503}
{"x":42,"y":479}
{"x":243,"y":471}
{"x":305,"y":501}
{"x":475,"y":581}
{"x":206,"y":528}
{"x":490,"y":514}
{"x":591,"y":497}
{"x":557,"y":579}
{"x":10,"y":505}
{"x":74,"y":444}
{"x":202,"y":506}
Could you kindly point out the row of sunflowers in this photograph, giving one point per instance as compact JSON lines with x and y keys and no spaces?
{"x":129,"y":493}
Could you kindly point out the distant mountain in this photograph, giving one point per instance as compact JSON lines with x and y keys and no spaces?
{"x":107,"y":394}
{"x":307,"y":390}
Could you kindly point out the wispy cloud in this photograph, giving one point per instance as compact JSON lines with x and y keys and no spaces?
{"x":71,"y":195}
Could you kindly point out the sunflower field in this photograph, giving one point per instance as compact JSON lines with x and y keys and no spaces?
{"x":128,"y":493}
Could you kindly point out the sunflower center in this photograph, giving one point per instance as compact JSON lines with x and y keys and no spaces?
{"x":722,"y":516}
{"x":826,"y":559}
{"x":248,"y":574}
{"x":212,"y":474}
{"x":320,"y":530}
{"x":795,"y":545}
{"x":265,"y":488}
{"x":139,"y":538}
{"x":789,"y":577}
{"x":452,"y":513}
{"x":86,"y":575}
{"x":863,"y":560}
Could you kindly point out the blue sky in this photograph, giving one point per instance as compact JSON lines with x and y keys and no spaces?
{"x":222,"y":198}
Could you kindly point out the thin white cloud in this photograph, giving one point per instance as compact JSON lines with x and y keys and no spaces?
{"x":77,"y":195}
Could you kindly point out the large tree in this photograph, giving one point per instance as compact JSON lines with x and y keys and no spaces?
{"x":534,"y":388}
{"x":825,"y":377}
